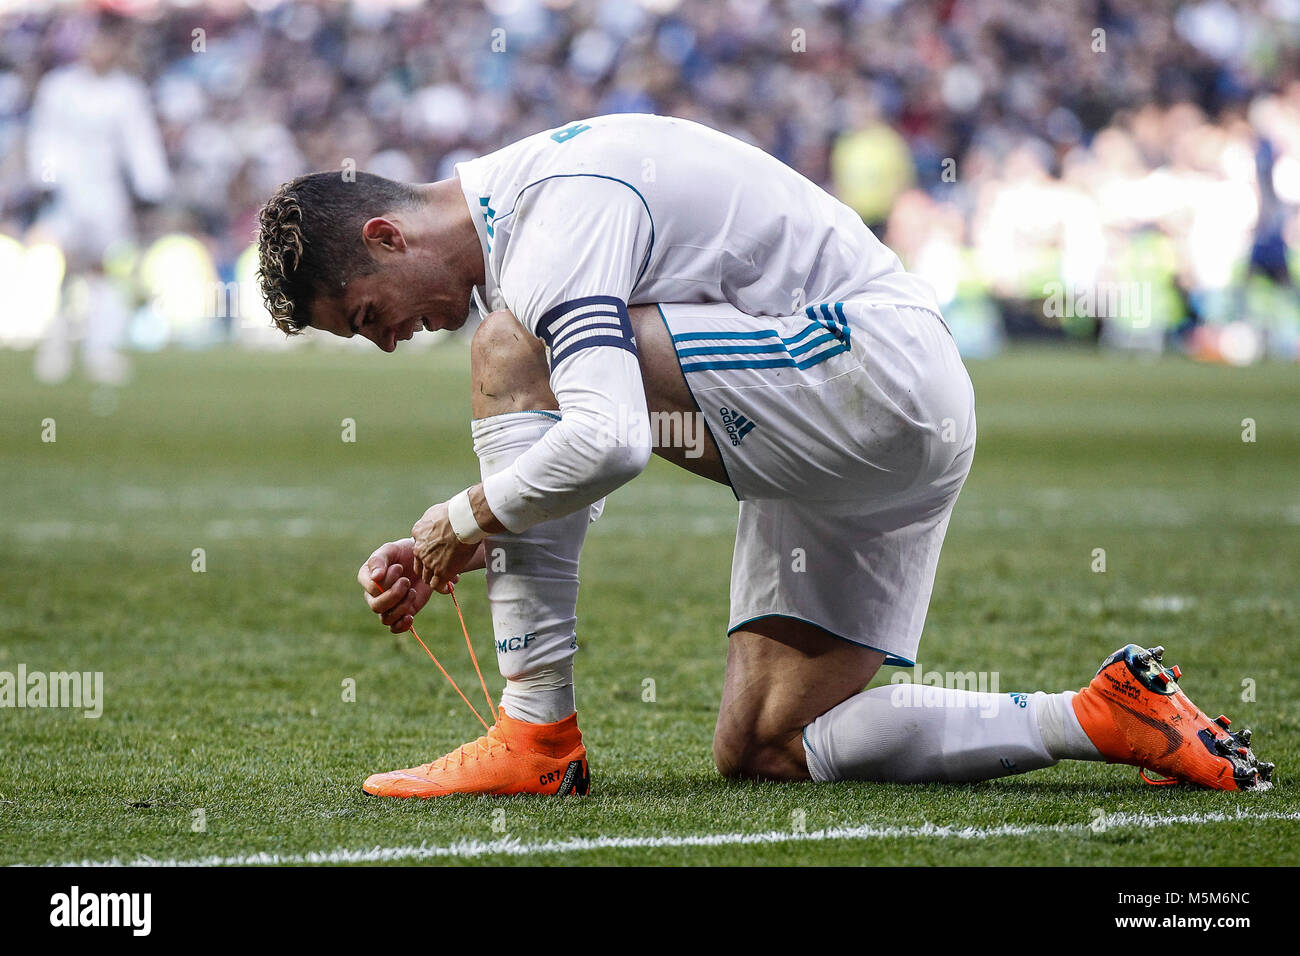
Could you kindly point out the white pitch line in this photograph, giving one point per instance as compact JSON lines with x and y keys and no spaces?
{"x":472,"y":849}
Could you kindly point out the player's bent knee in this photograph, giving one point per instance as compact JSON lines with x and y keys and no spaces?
{"x":508,"y":368}
{"x":500,"y":335}
{"x":755,"y":757}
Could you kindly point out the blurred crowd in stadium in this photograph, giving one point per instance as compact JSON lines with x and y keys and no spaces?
{"x":1121,"y":169}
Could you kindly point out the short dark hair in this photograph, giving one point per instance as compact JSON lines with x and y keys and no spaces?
{"x":309,"y":238}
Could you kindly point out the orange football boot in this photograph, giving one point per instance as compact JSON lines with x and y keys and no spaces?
{"x":512,"y":757}
{"x":1134,"y":712}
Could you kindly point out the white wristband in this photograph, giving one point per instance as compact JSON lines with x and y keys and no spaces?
{"x":460,"y":514}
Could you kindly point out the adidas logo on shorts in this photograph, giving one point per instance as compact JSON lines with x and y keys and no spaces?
{"x":737,"y":425}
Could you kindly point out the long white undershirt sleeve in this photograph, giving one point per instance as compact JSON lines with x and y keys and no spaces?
{"x":575,"y":251}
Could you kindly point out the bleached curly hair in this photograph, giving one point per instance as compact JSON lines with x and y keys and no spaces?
{"x":309,"y":239}
{"x":279,"y":251}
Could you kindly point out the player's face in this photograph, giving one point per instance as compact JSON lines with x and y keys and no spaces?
{"x":394,"y":303}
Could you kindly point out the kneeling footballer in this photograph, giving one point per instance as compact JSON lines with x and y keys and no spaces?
{"x":634,"y":265}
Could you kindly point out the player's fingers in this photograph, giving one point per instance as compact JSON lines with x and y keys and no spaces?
{"x":427,"y":576}
{"x":393,"y":596}
{"x":404,"y":608}
{"x":373,"y":574}
{"x":366,"y":577}
{"x":390,"y":597}
{"x":392,"y":574}
{"x":393,"y":615}
{"x":403,"y":625}
{"x":420,"y":595}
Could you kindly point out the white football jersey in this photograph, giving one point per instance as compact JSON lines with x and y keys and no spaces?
{"x":653,"y":209}
{"x":580,"y":222}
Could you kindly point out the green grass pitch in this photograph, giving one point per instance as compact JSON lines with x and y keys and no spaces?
{"x":224,"y":689}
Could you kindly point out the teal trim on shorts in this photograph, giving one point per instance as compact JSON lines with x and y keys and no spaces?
{"x":721,"y":458}
{"x":891,"y":660}
{"x":812,"y":750}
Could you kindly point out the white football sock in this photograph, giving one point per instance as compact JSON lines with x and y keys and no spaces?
{"x":532,"y":583}
{"x":1063,"y":735}
{"x":543,"y":696}
{"x":914,"y":733}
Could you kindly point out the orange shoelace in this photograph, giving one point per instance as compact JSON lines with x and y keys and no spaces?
{"x":482,"y":683}
{"x":486,"y":745}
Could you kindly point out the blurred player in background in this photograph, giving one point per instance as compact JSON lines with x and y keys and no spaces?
{"x":93,"y":149}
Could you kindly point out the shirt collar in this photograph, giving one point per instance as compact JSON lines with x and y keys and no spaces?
{"x":470,"y":187}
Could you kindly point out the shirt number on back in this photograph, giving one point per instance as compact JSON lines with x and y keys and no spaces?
{"x":566,"y":134}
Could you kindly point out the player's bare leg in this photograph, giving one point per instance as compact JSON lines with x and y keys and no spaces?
{"x":508,"y":369}
{"x":782,"y":674}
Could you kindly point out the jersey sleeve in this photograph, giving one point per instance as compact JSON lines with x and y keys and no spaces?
{"x":576,"y":249}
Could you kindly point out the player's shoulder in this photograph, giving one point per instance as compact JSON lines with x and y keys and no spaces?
{"x":580,"y":163}
{"x":617,"y":135}
{"x":597,"y":144}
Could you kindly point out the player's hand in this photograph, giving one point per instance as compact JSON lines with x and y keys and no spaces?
{"x":393,"y":592}
{"x":439,"y":555}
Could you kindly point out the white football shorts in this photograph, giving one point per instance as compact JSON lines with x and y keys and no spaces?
{"x":847,"y":431}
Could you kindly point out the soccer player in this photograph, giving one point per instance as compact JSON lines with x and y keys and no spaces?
{"x":634,"y":266}
{"x":93,"y":148}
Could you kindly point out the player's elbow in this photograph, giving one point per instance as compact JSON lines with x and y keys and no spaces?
{"x":620,"y":446}
{"x":623,"y":461}
{"x":606,"y":452}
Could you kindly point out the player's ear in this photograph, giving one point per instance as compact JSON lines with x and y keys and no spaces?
{"x":383,"y":234}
